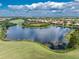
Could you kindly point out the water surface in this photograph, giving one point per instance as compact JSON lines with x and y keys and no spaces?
{"x":43,"y":35}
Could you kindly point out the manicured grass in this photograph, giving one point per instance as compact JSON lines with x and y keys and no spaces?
{"x":36,"y":25}
{"x":31,"y":50}
{"x":17,"y":21}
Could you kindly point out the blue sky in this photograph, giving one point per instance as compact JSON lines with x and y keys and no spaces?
{"x":29,"y":1}
{"x":23,"y":2}
{"x":39,"y":8}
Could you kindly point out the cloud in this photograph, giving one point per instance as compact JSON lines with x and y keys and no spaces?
{"x":16,"y":6}
{"x":50,"y":6}
{"x":44,"y":9}
{"x":76,"y":0}
{"x":72,"y":7}
{"x":0,"y":4}
{"x":40,"y":5}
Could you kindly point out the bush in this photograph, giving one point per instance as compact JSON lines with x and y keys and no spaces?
{"x":73,"y":40}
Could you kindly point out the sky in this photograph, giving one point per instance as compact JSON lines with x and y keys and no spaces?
{"x":39,"y":8}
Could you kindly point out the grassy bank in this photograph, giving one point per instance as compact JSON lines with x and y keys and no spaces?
{"x":36,"y":25}
{"x":30,"y":50}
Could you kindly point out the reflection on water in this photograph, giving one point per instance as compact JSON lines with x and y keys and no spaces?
{"x":43,"y":35}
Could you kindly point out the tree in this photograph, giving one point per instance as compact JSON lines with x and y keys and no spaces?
{"x":72,"y":40}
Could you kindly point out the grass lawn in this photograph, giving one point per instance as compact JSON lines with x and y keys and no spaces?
{"x":37,"y":25}
{"x":17,"y":21}
{"x":30,"y":50}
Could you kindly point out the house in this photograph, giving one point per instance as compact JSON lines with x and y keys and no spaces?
{"x":69,"y":22}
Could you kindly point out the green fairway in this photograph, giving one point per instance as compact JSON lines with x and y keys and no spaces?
{"x":17,"y":21}
{"x":30,"y":50}
{"x":36,"y":25}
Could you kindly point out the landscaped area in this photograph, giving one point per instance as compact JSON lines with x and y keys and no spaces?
{"x":39,"y":29}
{"x":31,"y":46}
{"x":32,"y":50}
{"x":37,"y":25}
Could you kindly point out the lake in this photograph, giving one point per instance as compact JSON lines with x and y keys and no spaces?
{"x":43,"y":35}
